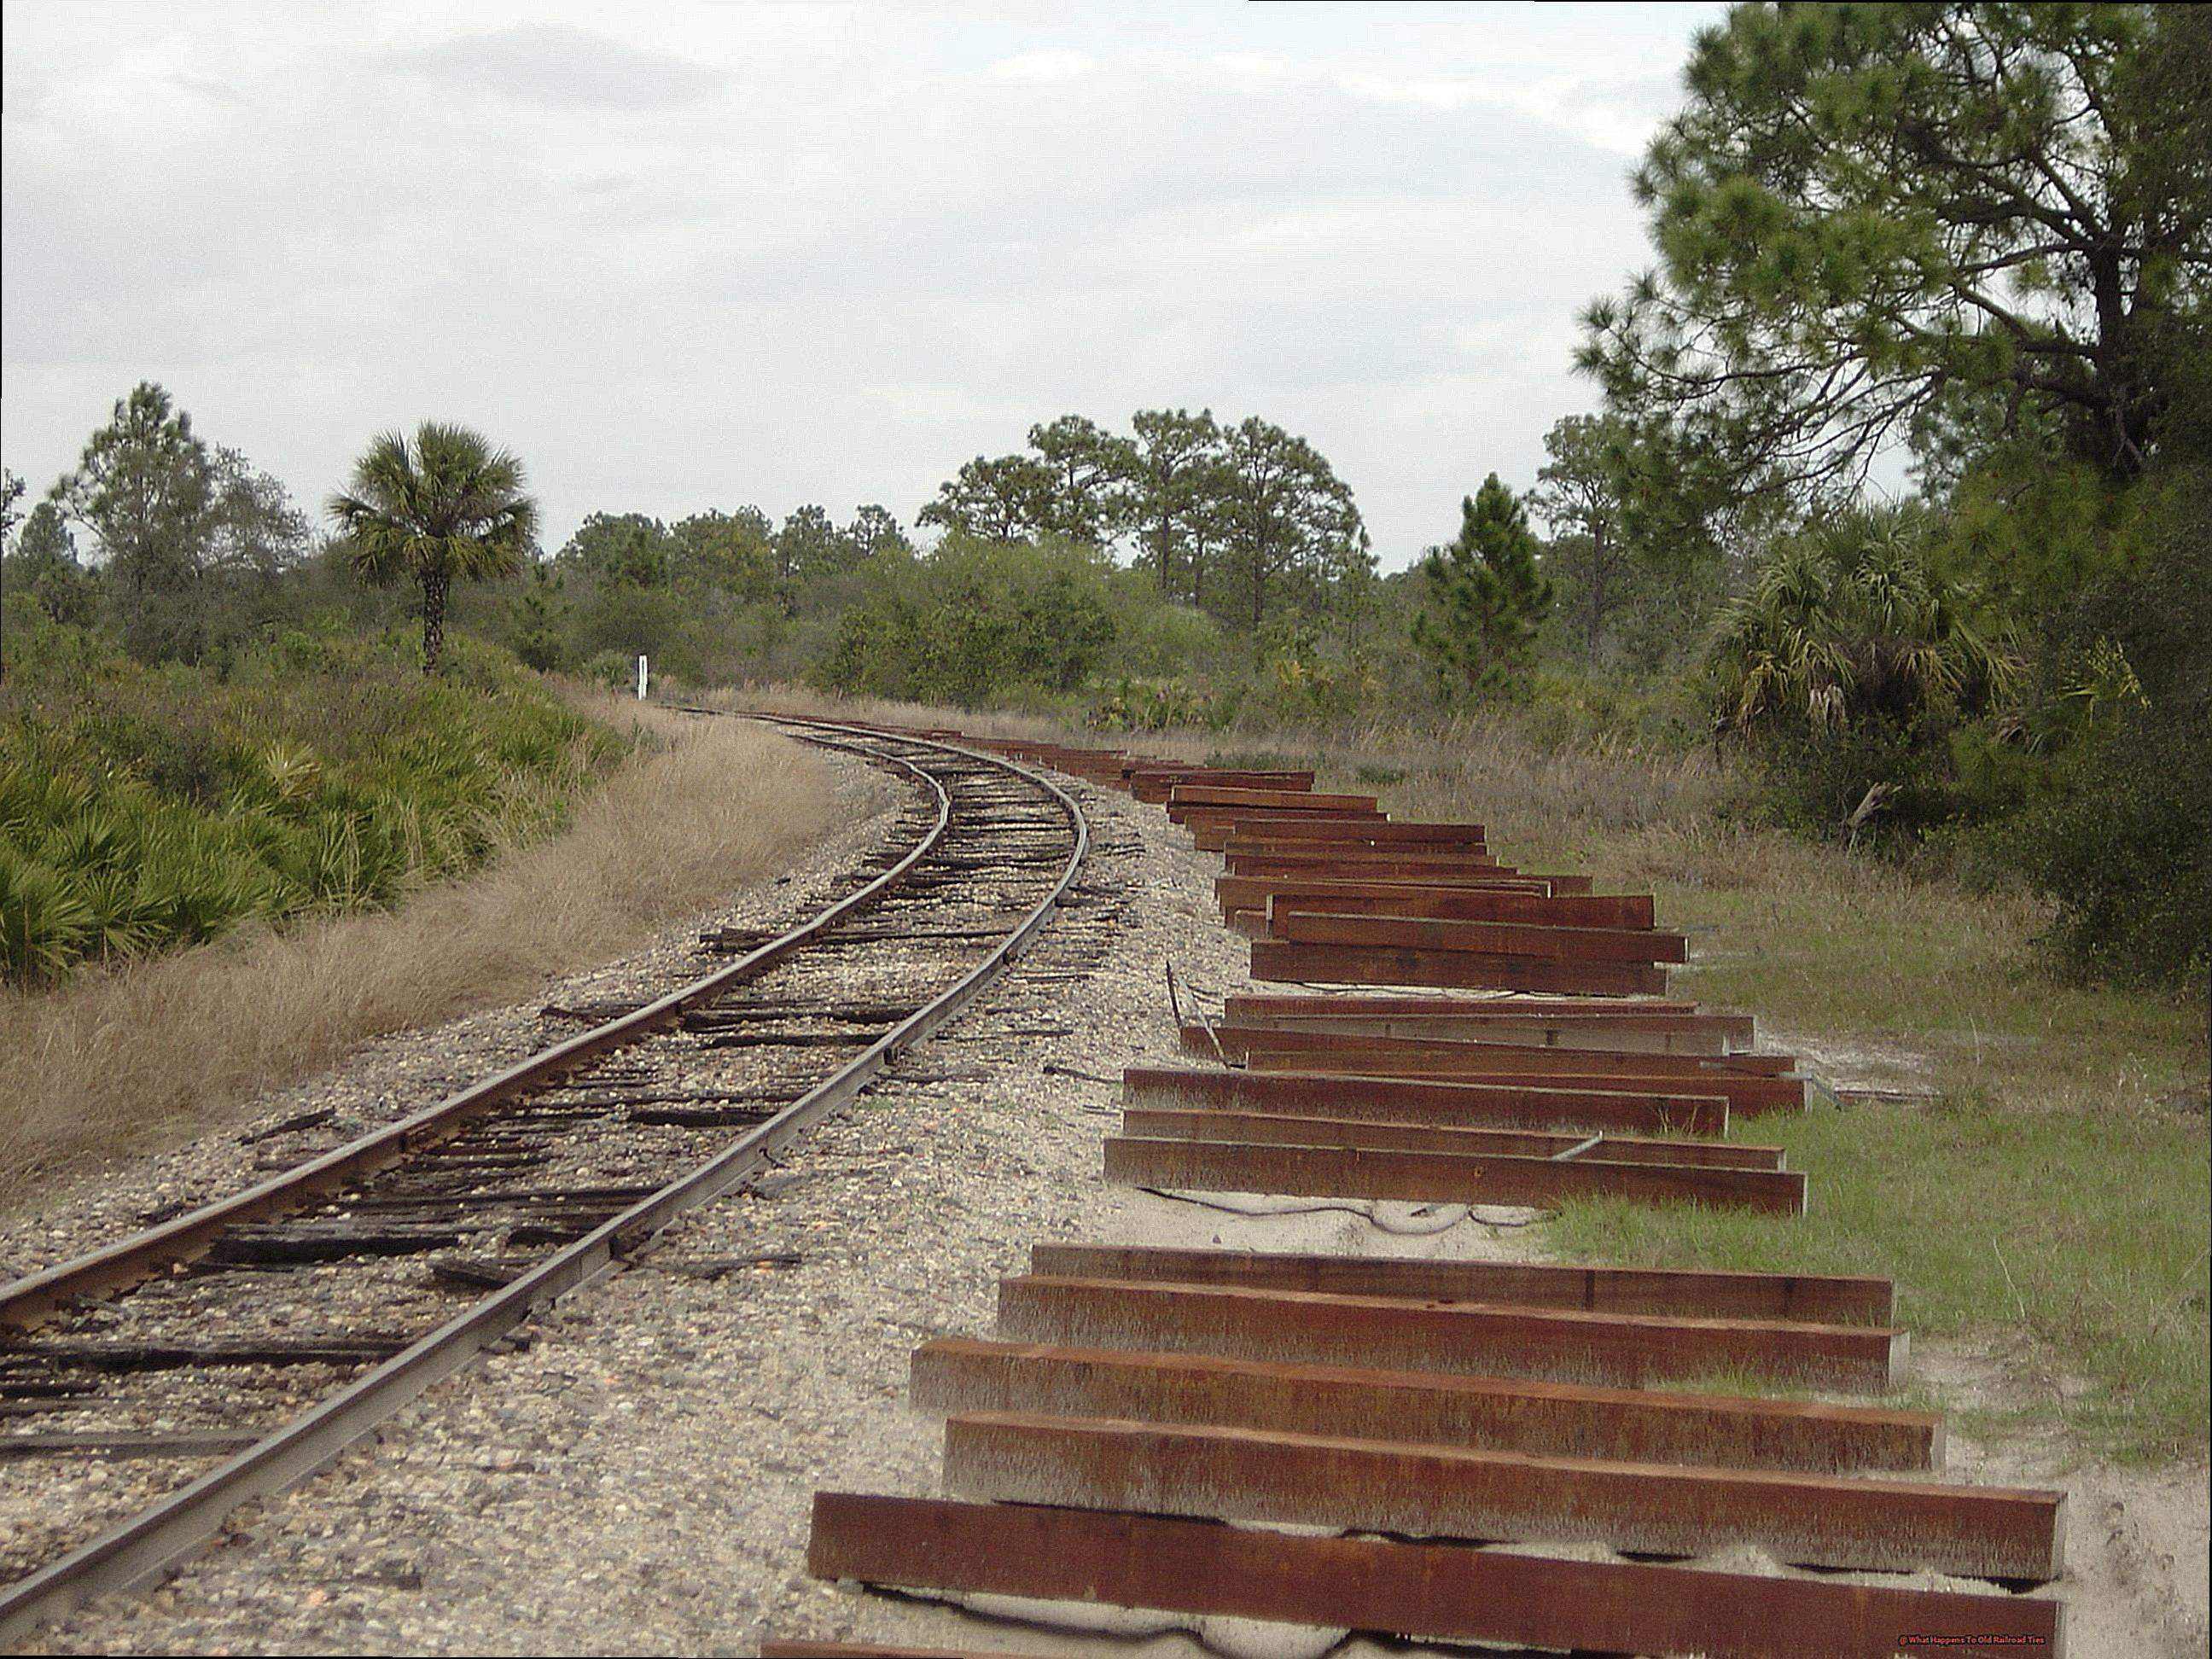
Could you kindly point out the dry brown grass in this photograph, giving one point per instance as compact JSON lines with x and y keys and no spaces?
{"x":152,"y":1055}
{"x":884,"y":711}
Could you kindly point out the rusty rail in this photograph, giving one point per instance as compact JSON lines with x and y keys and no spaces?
{"x":178,"y":1521}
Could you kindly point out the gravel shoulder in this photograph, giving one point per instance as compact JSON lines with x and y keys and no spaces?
{"x":635,"y":1476}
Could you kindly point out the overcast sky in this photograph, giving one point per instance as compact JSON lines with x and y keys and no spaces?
{"x":689,"y":255}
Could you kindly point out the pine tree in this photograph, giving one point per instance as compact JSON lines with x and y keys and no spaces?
{"x":1488,"y":596}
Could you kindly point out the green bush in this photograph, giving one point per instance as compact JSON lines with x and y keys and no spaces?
{"x":2117,"y":825}
{"x":146,"y":807}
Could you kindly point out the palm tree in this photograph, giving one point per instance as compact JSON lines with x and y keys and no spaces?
{"x":451,"y":506}
{"x":1853,"y":621}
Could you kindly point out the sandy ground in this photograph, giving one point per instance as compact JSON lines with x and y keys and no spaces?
{"x":637,"y":1479}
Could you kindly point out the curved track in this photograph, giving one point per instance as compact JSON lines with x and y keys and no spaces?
{"x":353,"y":1282}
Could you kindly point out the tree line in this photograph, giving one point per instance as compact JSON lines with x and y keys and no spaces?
{"x":1243,"y":522}
{"x":1974,"y":243}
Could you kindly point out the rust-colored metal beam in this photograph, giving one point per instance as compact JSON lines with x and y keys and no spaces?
{"x":1495,"y":1340}
{"x":1251,"y":886}
{"x":1439,"y":1590}
{"x":1289,"y":826}
{"x":1425,"y":1177}
{"x":1251,"y":838}
{"x":1212,"y":827}
{"x":1535,"y":1031}
{"x":1348,"y":964}
{"x":1151,"y":784}
{"x":1691,"y":1293}
{"x":1475,"y":1048}
{"x":1354,"y":862}
{"x":787,"y":1648}
{"x":962,"y":1374}
{"x":1357,"y":898}
{"x":1286,"y":1129}
{"x":1626,"y":1014}
{"x":1496,"y":938}
{"x":1551,"y":1068}
{"x":1263,"y":800}
{"x":1532,"y":1103}
{"x":1235,"y":893}
{"x":1484,"y":1494}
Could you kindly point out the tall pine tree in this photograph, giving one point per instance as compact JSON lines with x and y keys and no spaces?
{"x":1487,"y":597}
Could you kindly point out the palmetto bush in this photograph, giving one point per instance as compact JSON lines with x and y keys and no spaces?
{"x":1851,"y":662}
{"x":142,"y":809}
{"x":1854,"y":622}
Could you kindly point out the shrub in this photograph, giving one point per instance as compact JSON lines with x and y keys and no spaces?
{"x":142,"y":808}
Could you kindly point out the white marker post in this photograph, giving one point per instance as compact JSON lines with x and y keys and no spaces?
{"x":641,"y":679}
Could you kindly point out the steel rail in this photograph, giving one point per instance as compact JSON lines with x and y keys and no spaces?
{"x":165,"y":1530}
{"x":28,"y":1300}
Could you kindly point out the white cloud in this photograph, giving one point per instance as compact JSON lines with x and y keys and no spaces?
{"x":1041,"y":66}
{"x":698,"y":254}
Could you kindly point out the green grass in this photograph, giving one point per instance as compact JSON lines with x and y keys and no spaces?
{"x":2077,"y":1243}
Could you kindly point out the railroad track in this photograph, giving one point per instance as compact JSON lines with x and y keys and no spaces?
{"x":238,"y":1347}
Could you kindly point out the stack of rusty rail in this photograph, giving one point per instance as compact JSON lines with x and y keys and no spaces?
{"x":1585,"y":1080}
{"x":1446,"y":1418}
